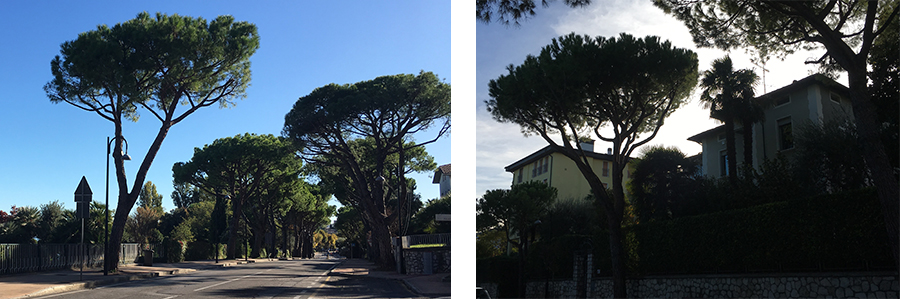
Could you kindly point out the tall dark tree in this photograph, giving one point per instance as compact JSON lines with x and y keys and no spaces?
{"x":170,"y":66}
{"x":389,"y":110}
{"x":846,"y":30}
{"x":244,"y":168}
{"x":728,"y":94}
{"x":578,"y":85}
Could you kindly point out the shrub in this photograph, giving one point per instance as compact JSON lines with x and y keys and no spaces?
{"x":502,"y":270}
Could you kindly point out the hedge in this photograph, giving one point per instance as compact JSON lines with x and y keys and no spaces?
{"x":502,"y":270}
{"x":837,"y":232}
{"x":829,"y":232}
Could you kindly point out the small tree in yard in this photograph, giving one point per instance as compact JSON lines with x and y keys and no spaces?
{"x":579,"y":85}
{"x":158,"y":64}
{"x":515,"y":211}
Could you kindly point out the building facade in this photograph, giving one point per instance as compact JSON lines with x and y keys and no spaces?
{"x":811,"y":100}
{"x":557,"y":170}
{"x":442,"y":177}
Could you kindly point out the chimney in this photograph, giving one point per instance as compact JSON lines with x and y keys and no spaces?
{"x":588,"y":145}
{"x":609,"y":151}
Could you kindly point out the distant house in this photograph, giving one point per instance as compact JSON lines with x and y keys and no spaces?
{"x":442,"y":176}
{"x":554,"y":168}
{"x":811,"y":100}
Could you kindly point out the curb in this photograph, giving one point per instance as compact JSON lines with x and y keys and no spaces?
{"x":97,"y":283}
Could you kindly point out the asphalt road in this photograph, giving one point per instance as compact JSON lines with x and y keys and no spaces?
{"x":300,"y":279}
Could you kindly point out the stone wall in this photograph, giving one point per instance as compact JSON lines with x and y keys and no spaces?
{"x":792,"y":285}
{"x":415,"y":264}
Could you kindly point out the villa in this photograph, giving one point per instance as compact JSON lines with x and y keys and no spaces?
{"x":811,"y":100}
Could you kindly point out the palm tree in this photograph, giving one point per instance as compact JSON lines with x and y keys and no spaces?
{"x":728,"y":94}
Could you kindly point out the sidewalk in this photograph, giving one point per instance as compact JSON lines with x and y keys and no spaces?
{"x":52,"y":282}
{"x":428,"y":285}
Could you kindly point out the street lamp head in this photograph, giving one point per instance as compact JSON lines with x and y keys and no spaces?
{"x":126,"y":157}
{"x":379,"y":179}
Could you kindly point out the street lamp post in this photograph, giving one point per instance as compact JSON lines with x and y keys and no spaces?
{"x":125,"y":157}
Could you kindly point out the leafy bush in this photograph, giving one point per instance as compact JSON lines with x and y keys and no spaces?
{"x":201,"y":250}
{"x":174,"y":251}
{"x":502,"y":270}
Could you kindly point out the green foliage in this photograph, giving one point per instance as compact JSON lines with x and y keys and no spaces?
{"x":22,"y":226}
{"x":828,"y":156}
{"x":53,"y":217}
{"x":143,"y":226}
{"x":505,"y":11}
{"x":174,"y":250}
{"x":662,"y":180}
{"x":490,"y":243}
{"x":885,"y":85}
{"x":617,"y":75}
{"x":729,"y":96}
{"x":257,"y":172}
{"x":159,"y":64}
{"x":154,"y":63}
{"x":150,"y":199}
{"x":202,"y":250}
{"x":423,"y":221}
{"x":835,"y":231}
{"x":185,"y":194}
{"x":514,"y":210}
{"x":385,"y":112}
{"x":349,"y":225}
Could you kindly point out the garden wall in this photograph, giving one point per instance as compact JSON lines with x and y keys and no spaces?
{"x":795,"y":285}
{"x":414,"y":260}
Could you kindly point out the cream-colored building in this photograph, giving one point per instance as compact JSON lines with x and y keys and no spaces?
{"x":811,"y":100}
{"x":559,"y":171}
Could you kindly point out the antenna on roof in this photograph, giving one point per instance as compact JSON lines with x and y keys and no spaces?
{"x":761,"y":63}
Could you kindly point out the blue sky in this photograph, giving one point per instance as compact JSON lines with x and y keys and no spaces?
{"x":46,"y":148}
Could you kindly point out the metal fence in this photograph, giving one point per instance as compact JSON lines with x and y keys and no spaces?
{"x":431,"y":240}
{"x":19,"y":258}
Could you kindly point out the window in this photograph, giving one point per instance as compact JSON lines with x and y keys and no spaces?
{"x":723,"y":163}
{"x":785,"y":134}
{"x":605,"y":168}
{"x":546,"y":163}
{"x":835,"y":98}
{"x":520,"y":174}
{"x":534,"y":170}
{"x":782,"y":101}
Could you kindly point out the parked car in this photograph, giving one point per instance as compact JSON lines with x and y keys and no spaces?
{"x":481,"y":293}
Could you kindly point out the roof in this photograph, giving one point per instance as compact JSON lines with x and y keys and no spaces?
{"x":546,"y":151}
{"x":700,"y":136}
{"x":797,"y":84}
{"x":441,"y":170}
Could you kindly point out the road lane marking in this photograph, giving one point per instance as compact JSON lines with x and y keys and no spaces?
{"x":321,"y":286}
{"x":224,"y":282}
